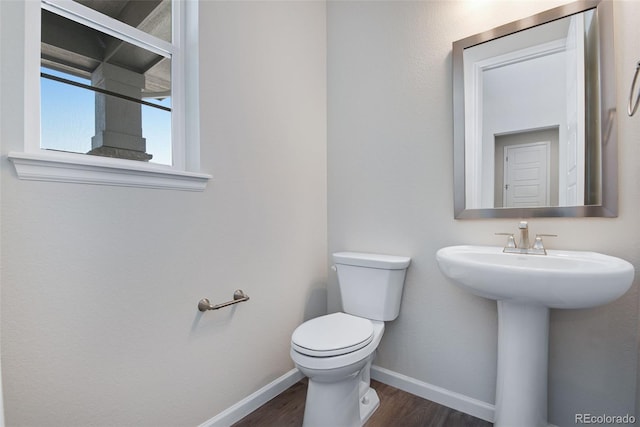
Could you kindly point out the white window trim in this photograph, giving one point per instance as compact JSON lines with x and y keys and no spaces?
{"x":46,"y":165}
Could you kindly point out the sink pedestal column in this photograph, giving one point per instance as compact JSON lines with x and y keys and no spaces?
{"x":523,"y":353}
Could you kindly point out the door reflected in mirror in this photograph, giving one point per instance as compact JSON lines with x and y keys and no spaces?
{"x":526,"y":168}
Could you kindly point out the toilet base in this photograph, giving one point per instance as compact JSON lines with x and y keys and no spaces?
{"x":368,"y":405}
{"x":340,"y":397}
{"x":336,"y":407}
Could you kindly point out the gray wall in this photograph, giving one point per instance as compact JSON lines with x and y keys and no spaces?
{"x":390,"y":190}
{"x":100,"y":284}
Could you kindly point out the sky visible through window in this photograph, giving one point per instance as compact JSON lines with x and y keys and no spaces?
{"x":68,"y":119}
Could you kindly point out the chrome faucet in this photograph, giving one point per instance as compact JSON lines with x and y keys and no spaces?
{"x":524,"y":246}
{"x":524,"y":234}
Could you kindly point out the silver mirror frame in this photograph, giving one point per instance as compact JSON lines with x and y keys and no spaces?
{"x":609,"y":206}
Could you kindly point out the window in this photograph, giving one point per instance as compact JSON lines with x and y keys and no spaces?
{"x":111,"y":93}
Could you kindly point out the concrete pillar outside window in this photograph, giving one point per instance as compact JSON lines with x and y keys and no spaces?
{"x":118,"y":121}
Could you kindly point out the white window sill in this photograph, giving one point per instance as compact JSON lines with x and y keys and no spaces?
{"x":86,"y":169}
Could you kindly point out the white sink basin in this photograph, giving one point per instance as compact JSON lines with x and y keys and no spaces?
{"x":560,"y":279}
{"x":526,"y":287}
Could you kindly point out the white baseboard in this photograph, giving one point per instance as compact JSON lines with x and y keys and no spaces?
{"x":451,"y":399}
{"x":255,"y":400}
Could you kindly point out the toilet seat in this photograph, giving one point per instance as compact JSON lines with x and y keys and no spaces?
{"x":332,"y":335}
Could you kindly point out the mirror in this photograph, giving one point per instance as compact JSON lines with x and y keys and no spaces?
{"x":534,"y":117}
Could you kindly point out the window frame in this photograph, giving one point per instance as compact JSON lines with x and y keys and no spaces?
{"x":40,"y":164}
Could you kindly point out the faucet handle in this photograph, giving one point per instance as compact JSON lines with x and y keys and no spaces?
{"x":537,"y":244}
{"x":511,"y":240}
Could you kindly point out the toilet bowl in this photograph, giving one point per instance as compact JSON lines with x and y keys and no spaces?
{"x":337,"y":367}
{"x":335,"y":351}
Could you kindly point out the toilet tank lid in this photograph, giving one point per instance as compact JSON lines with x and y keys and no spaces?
{"x":361,"y":259}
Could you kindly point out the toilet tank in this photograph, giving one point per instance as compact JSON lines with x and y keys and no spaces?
{"x":371,"y":284}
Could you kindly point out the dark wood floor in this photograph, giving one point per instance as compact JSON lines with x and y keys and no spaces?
{"x":397,"y":409}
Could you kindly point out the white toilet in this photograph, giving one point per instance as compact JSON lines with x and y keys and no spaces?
{"x":335,"y":351}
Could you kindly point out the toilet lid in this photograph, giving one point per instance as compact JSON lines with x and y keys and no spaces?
{"x":332,"y":335}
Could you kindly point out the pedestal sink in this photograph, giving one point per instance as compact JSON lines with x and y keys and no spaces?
{"x":526,"y":286}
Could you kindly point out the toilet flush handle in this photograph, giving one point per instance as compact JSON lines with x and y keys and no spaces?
{"x":334,"y":268}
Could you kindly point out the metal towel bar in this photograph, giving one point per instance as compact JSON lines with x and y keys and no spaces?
{"x":633,"y":106}
{"x":238,"y":296}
